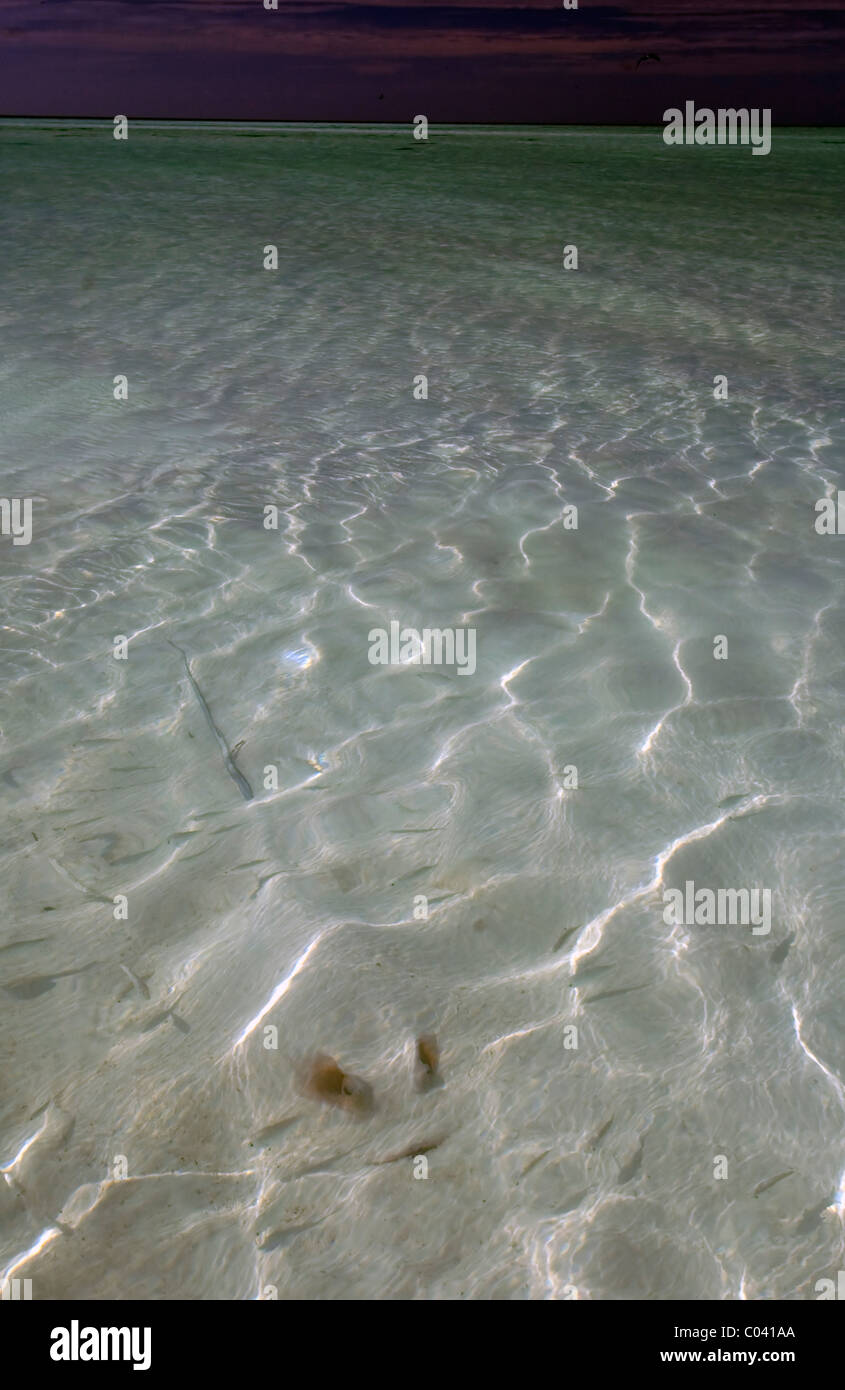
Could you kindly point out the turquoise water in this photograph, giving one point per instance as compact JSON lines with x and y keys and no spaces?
{"x":153,"y":1143}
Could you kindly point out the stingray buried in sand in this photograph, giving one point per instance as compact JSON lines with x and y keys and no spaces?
{"x":322,"y":1079}
{"x":426,"y":1062}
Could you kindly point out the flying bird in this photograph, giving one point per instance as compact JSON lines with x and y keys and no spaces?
{"x":647,"y":58}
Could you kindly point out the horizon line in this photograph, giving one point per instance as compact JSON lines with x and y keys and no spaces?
{"x":245,"y":120}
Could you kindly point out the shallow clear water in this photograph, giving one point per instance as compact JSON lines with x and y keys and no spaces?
{"x":138,"y":1046}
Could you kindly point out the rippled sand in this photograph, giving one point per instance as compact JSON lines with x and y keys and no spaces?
{"x":153,"y":1145}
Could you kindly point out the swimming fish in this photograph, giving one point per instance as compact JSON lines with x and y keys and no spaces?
{"x":35,"y":985}
{"x":764,"y":1186}
{"x":592,"y":1144}
{"x":780,"y":952}
{"x":414,"y":1150}
{"x":228,"y":758}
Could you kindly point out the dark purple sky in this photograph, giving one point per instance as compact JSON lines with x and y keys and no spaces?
{"x":467,"y":60}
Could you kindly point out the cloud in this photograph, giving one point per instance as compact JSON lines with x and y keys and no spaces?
{"x":68,"y":43}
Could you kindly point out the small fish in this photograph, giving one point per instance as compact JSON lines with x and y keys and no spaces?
{"x":414,"y":1150}
{"x":588,"y":973}
{"x":780,"y":952}
{"x":593,"y":1143}
{"x":228,"y":756}
{"x":156,"y":1021}
{"x":534,"y":1161}
{"x":764,"y":1186}
{"x":33,"y":941}
{"x":276,"y":1240}
{"x":274,"y":1131}
{"x":427,"y":1060}
{"x":564,"y":937}
{"x":811,"y":1219}
{"x":326,"y":1081}
{"x":35,"y":985}
{"x":30,"y":989}
{"x":139,"y":983}
{"x":71,"y":878}
{"x":629,"y":1169}
{"x":611,"y":993}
